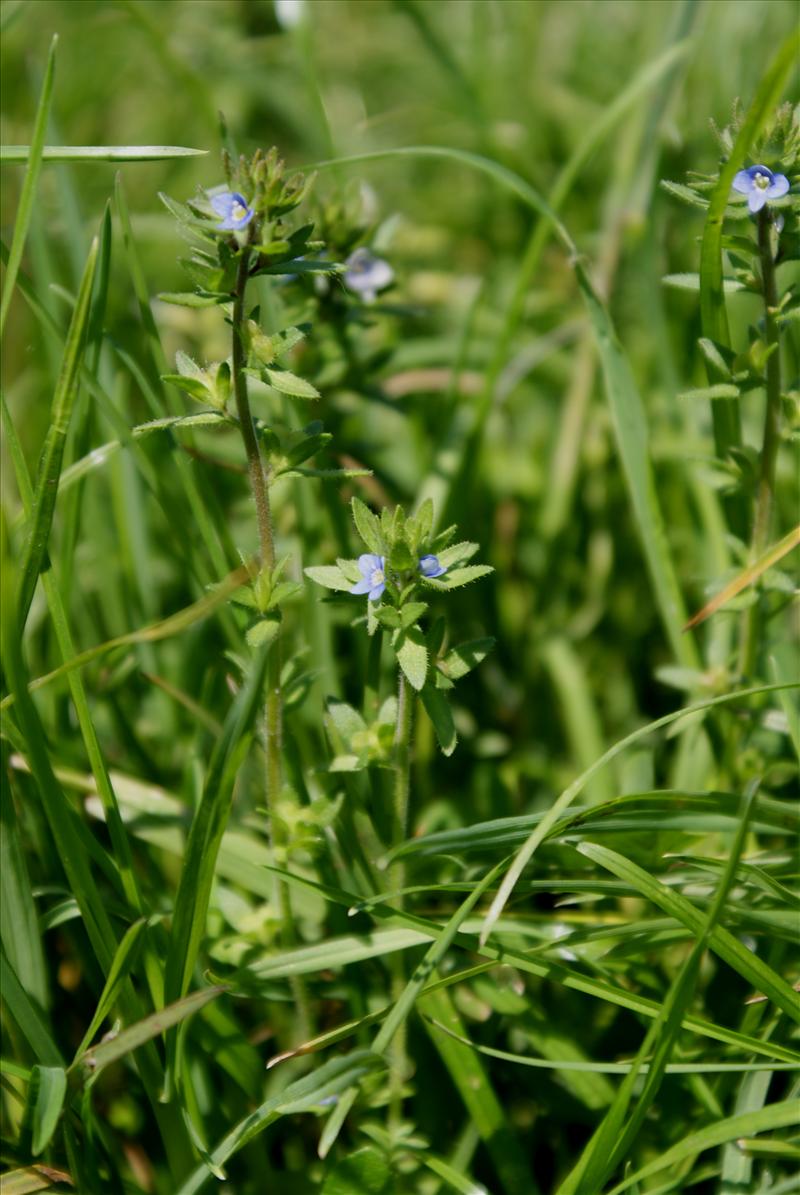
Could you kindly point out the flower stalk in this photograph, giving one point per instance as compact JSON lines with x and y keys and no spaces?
{"x":397,"y":874}
{"x":765,"y":488}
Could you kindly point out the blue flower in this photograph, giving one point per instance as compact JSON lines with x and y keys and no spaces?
{"x":234,"y":210}
{"x":366,"y":274}
{"x":759,"y":184}
{"x":429,"y":566}
{"x":373,"y":576}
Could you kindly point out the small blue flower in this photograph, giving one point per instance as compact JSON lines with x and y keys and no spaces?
{"x":366,"y":274}
{"x":234,"y":210}
{"x":429,"y":566}
{"x":759,"y":184}
{"x":373,"y":576}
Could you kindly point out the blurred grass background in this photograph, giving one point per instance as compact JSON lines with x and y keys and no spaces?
{"x":579,"y":638}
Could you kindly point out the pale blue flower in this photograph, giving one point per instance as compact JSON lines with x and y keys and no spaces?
{"x":366,"y":274}
{"x":373,"y":576}
{"x":233,"y":209}
{"x":430,"y":566}
{"x":759,"y":184}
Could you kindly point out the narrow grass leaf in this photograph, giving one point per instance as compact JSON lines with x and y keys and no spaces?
{"x":776,"y":1116}
{"x":48,"y":1089}
{"x":747,"y":576}
{"x":33,"y":158}
{"x":53,"y":452}
{"x":98,"y":153}
{"x":28,"y":1018}
{"x":720,"y":940}
{"x":124,"y":961}
{"x":524,"y":855}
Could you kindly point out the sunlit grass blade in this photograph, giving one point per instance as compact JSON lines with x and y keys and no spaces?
{"x":401,"y":1009}
{"x":99,"y":153}
{"x":329,"y":1080}
{"x":554,"y":972}
{"x":748,"y":576}
{"x":174,"y":624}
{"x":526,"y":852}
{"x":785,"y":1114}
{"x":475,"y":1088}
{"x":612,"y":1140}
{"x":46,"y":487}
{"x":29,"y":1019}
{"x":752,"y":968}
{"x":28,"y":196}
{"x":124,"y":960}
{"x":19,"y":931}
{"x":208,"y":826}
{"x":46,"y":1094}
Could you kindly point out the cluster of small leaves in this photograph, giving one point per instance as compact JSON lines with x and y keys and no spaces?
{"x":272,"y":245}
{"x":427,"y":664}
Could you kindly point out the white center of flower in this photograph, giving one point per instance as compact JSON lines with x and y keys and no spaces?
{"x":761,"y":181}
{"x":377,"y":577}
{"x":238,"y":212}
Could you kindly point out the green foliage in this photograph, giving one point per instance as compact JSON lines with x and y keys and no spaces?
{"x":399,"y":890}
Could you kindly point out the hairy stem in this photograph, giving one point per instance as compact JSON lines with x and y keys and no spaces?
{"x":273,"y":708}
{"x":765,"y":490}
{"x":402,"y":781}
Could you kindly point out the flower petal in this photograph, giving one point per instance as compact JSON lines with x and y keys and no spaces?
{"x":430,"y":566}
{"x":368,"y":563}
{"x":743,"y":183}
{"x":757,"y":200}
{"x":362,"y":586}
{"x":376,"y":591}
{"x":780,"y":185}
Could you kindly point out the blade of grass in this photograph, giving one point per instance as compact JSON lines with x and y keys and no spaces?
{"x":552,"y":971}
{"x":776,"y":1116}
{"x":720,"y":940}
{"x":97,"y":153}
{"x":328,"y":1081}
{"x":27,"y":1016}
{"x":174,"y":624}
{"x":18,"y":929}
{"x":28,"y":196}
{"x":474,"y":1086}
{"x":618,"y":1130}
{"x":205,"y":837}
{"x":47,"y":1092}
{"x":526,"y":851}
{"x":401,"y":1009}
{"x":44,"y":499}
{"x":747,"y":577}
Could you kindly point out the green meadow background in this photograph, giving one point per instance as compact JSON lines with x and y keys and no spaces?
{"x":480,"y":384}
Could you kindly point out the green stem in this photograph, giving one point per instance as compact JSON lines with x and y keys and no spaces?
{"x":765,"y":491}
{"x":273,"y":708}
{"x":402,"y":784}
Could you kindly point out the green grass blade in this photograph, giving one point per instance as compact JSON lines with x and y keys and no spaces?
{"x":526,"y":851}
{"x":48,"y":1090}
{"x":53,"y":453}
{"x":19,"y":932}
{"x":776,"y":1116}
{"x":304,"y":1094}
{"x":474,"y":1086}
{"x":27,"y":1016}
{"x":721,"y":941}
{"x":124,"y":961}
{"x":28,"y":196}
{"x":612,"y":1141}
{"x":713,"y":311}
{"x":98,"y":153}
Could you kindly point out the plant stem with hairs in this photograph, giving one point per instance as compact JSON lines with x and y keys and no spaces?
{"x":401,"y":787}
{"x":765,"y":489}
{"x":273,"y":710}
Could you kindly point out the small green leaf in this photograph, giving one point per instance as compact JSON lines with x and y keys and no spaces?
{"x":412,"y":656}
{"x":50,"y":1085}
{"x":263,"y":631}
{"x":721,"y":390}
{"x":368,"y":526}
{"x":459,"y":576}
{"x":329,"y":575}
{"x":194,"y":387}
{"x":457,"y":554}
{"x":411,"y":612}
{"x":346,"y":720}
{"x":462,"y":659}
{"x":692,"y":282}
{"x":401,"y":557}
{"x":290,"y":384}
{"x":438,"y":710}
{"x":387,"y":616}
{"x":193,"y":298}
{"x":364,"y":1172}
